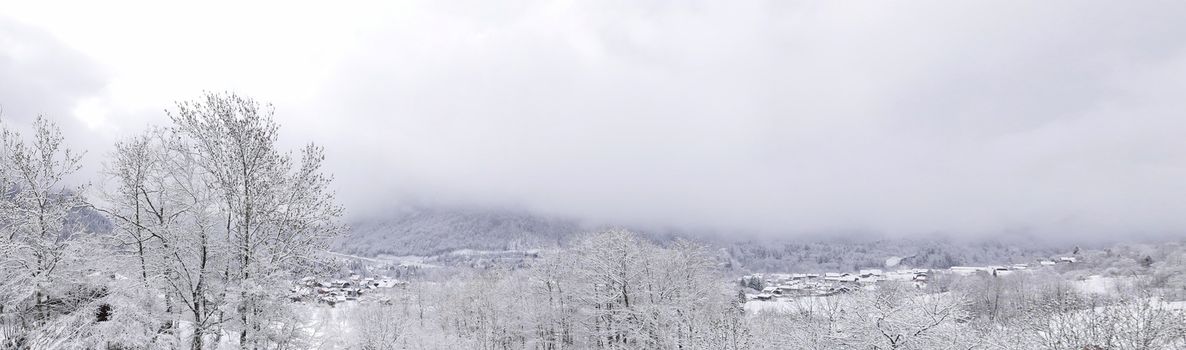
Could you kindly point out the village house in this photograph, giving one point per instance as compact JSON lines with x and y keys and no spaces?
{"x":904,"y":276}
{"x":829,"y":283}
{"x":871,"y":273}
{"x":340,"y":290}
{"x":967,"y":270}
{"x":999,"y":270}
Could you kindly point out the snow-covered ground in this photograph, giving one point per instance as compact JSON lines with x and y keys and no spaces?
{"x":406,"y":260}
{"x":402,"y":260}
{"x":792,"y":304}
{"x":1096,"y":284}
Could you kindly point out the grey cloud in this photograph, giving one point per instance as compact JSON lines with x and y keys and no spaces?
{"x":968,"y":118}
{"x":785,"y":117}
{"x":40,"y":75}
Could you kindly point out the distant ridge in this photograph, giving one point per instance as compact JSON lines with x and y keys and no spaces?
{"x":432,"y":231}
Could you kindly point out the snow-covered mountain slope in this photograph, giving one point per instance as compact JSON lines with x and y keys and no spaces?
{"x":432,"y":231}
{"x":437,"y":231}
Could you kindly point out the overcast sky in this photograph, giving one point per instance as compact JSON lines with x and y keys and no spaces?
{"x":899,"y":117}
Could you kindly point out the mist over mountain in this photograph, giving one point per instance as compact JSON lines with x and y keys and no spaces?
{"x":436,"y":230}
{"x":786,"y":117}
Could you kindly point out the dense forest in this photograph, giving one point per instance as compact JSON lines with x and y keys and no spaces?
{"x":432,"y":231}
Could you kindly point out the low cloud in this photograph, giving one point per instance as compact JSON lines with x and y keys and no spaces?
{"x":40,"y":75}
{"x":1055,"y":118}
{"x":971,"y":118}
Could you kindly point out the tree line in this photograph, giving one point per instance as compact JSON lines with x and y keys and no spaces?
{"x":618,"y":290}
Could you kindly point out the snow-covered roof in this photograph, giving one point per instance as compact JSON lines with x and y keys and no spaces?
{"x":968,"y":268}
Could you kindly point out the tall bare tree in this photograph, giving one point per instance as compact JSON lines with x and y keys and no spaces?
{"x":227,"y":212}
{"x":35,"y":231}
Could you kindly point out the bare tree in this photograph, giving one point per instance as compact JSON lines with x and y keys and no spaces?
{"x":277,"y":216}
{"x":35,"y":230}
{"x":166,"y":207}
{"x":220,"y":214}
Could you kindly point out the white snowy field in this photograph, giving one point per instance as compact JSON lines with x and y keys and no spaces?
{"x":792,"y":305}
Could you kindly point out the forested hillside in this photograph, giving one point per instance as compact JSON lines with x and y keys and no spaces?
{"x":427,"y":231}
{"x":431,"y":231}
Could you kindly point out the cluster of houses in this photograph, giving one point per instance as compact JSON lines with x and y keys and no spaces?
{"x":814,"y":284}
{"x":339,"y":290}
{"x":1005,"y":270}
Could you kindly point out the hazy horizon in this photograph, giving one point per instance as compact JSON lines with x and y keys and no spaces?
{"x":1057,"y":119}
